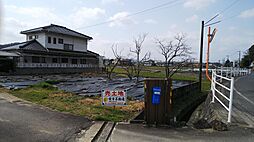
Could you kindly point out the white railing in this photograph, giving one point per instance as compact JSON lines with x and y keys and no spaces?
{"x":230,"y":71}
{"x":54,"y":65}
{"x":215,"y":90}
{"x":224,"y":78}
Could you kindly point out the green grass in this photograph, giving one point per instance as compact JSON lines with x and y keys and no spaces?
{"x":47,"y":95}
{"x":44,"y":93}
{"x":150,"y":72}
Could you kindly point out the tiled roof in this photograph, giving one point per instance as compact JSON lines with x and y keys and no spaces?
{"x":28,"y":45}
{"x":34,"y":46}
{"x":7,"y":45}
{"x":7,"y":54}
{"x":14,"y":46}
{"x":74,"y":53}
{"x":57,"y":29}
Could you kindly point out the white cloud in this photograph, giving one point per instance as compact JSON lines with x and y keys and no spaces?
{"x":12,"y":29}
{"x":21,"y":18}
{"x":198,"y":4}
{"x":247,"y":13}
{"x":1,"y":19}
{"x":111,"y":1}
{"x":18,"y":18}
{"x":232,"y":28}
{"x":85,"y":15}
{"x":150,"y":21}
{"x":121,"y":19}
{"x":34,"y":12}
{"x":88,"y":13}
{"x":34,"y":16}
{"x":193,"y":18}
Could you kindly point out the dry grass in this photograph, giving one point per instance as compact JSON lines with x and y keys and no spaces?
{"x":90,"y":101}
{"x":4,"y":90}
{"x":60,"y":94}
{"x":133,"y":106}
{"x":45,"y":94}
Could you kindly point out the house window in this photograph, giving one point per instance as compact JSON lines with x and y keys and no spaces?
{"x":43,"y":60}
{"x":74,"y":61}
{"x":35,"y":59}
{"x":49,"y":39}
{"x":64,"y":60}
{"x":54,"y":60}
{"x":31,"y":37}
{"x":26,"y":59}
{"x":68,"y":46}
{"x":60,"y":41}
{"x":82,"y":61}
{"x":54,"y":40}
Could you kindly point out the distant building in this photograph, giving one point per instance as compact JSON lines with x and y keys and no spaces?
{"x":51,"y":49}
{"x":149,"y":63}
{"x":252,"y":65}
{"x":126,"y":62}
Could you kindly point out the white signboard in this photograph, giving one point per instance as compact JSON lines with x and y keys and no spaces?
{"x":114,"y":98}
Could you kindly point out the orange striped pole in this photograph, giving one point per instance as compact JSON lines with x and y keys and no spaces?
{"x":207,"y":55}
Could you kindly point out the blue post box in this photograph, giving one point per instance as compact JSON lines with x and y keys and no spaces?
{"x":156,"y":95}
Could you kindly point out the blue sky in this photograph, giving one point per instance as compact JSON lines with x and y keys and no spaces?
{"x":235,"y":32}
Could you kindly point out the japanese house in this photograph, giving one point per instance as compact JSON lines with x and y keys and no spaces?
{"x":51,"y":49}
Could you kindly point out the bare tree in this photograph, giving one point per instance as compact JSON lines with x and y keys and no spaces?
{"x":176,"y":54}
{"x":129,"y":69}
{"x":112,"y":65}
{"x":138,"y":42}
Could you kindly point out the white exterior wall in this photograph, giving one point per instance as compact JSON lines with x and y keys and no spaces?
{"x":41,"y":38}
{"x":78,"y":43}
{"x":101,"y":65}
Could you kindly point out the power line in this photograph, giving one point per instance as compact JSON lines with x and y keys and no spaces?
{"x":221,"y":12}
{"x":231,"y":17}
{"x":212,"y":18}
{"x":213,"y":23}
{"x":227,"y":8}
{"x":133,"y":14}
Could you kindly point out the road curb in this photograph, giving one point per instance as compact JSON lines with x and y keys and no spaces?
{"x":90,"y":134}
{"x":10,"y":98}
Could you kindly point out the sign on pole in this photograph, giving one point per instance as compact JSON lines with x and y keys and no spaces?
{"x":213,"y":34}
{"x":156,"y":95}
{"x":114,"y":98}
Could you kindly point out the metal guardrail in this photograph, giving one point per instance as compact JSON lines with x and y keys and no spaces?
{"x":222,"y":77}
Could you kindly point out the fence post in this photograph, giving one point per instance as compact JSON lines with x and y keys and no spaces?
{"x":221,"y":73}
{"x":231,"y":71}
{"x":226,"y":71}
{"x":231,"y":98}
{"x":213,"y":85}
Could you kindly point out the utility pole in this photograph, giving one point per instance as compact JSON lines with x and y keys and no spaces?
{"x":210,"y":39}
{"x":203,"y":25}
{"x":239,"y":60}
{"x":201,"y":55}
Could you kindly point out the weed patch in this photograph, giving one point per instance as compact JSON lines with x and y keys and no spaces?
{"x":46,"y":94}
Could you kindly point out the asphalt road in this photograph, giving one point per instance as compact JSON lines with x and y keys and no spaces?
{"x":25,"y":122}
{"x":244,"y":94}
{"x":140,"y":133}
